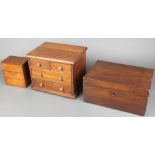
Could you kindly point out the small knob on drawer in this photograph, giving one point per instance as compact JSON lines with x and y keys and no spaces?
{"x":39,"y":65}
{"x":60,"y":68}
{"x":60,"y":79}
{"x":13,"y":74}
{"x":41,"y":84}
{"x":41,"y":74}
{"x":61,"y":89}
{"x":114,"y":92}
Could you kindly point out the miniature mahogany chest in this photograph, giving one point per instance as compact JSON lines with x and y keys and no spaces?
{"x":118,"y":86}
{"x":58,"y":68}
{"x":16,"y":71}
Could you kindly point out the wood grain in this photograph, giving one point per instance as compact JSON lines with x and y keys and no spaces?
{"x":54,"y":86}
{"x":122,"y":101}
{"x":51,"y":75}
{"x":57,"y":52}
{"x":61,"y":65}
{"x":16,"y":71}
{"x":118,"y":86}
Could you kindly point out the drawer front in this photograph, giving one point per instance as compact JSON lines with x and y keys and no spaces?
{"x":115,"y":99}
{"x":50,"y":65}
{"x":49,"y":85}
{"x":14,"y":79}
{"x":13,"y":75}
{"x":60,"y":67}
{"x":12,"y":68}
{"x":51,"y":75}
{"x":41,"y":64}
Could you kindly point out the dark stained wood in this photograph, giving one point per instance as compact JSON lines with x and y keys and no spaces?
{"x":122,"y":101}
{"x":79,"y":70}
{"x":16,"y":71}
{"x":118,"y":86}
{"x":60,"y":64}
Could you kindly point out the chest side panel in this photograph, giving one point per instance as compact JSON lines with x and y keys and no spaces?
{"x":79,"y":70}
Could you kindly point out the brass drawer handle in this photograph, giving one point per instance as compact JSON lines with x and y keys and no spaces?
{"x":39,"y":65}
{"x":41,"y":84}
{"x":60,"y":68}
{"x":114,"y":92}
{"x":61,"y":89}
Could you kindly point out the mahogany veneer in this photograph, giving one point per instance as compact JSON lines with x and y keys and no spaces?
{"x":58,"y":68}
{"x":118,"y":86}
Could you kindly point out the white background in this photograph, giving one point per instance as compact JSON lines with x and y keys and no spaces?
{"x":70,"y":18}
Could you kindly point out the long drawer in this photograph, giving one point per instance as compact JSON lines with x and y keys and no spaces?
{"x":51,"y":75}
{"x":50,"y":85}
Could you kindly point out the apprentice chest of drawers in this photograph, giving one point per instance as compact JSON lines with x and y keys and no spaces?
{"x":118,"y":86}
{"x":16,"y":71}
{"x":58,"y":68}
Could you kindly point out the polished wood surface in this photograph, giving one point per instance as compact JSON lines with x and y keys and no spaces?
{"x":115,"y":99}
{"x":58,"y":68}
{"x":136,"y":77}
{"x":118,"y":86}
{"x":53,"y":88}
{"x":16,"y":71}
{"x":57,"y":52}
{"x":51,"y":75}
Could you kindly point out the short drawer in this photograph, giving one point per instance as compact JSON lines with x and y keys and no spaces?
{"x":50,"y":65}
{"x":38,"y":63}
{"x":60,"y":67}
{"x":14,"y":79}
{"x":13,"y":75}
{"x":49,"y":85}
{"x":115,"y":99}
{"x":51,"y":75}
{"x":12,"y":68}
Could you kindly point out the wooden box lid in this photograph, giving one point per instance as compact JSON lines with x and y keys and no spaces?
{"x":57,"y":52}
{"x":135,"y":80}
{"x":15,"y":60}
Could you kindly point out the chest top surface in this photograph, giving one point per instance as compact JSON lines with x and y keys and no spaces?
{"x":131,"y":76}
{"x":14,"y":60}
{"x":57,"y":52}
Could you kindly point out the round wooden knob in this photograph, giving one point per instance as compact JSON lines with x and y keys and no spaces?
{"x":39,"y":65}
{"x":60,"y":68}
{"x":13,"y":74}
{"x":114,"y":92}
{"x":61,"y":89}
{"x":41,"y":74}
{"x":60,"y":79}
{"x":41,"y":84}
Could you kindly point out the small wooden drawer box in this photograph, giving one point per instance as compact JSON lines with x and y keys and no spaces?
{"x":58,"y":68}
{"x":118,"y":86}
{"x":16,"y":71}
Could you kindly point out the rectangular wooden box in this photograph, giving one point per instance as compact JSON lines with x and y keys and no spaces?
{"x":58,"y":68}
{"x":16,"y":71}
{"x":118,"y":86}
